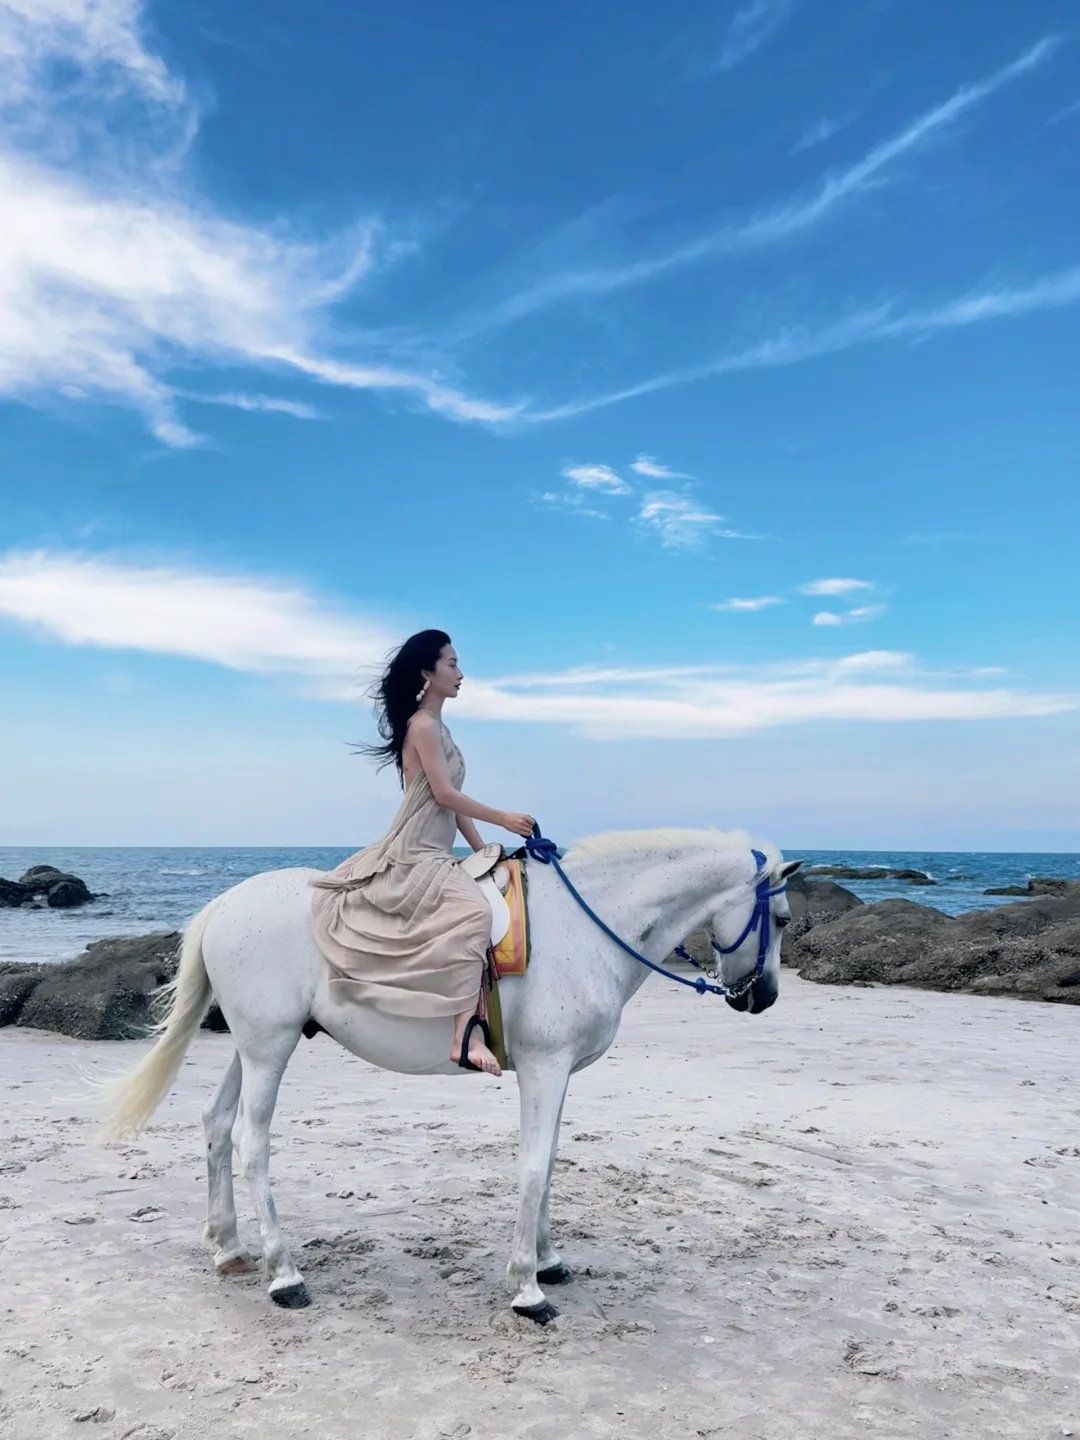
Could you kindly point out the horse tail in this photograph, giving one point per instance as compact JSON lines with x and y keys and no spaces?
{"x":133,"y":1099}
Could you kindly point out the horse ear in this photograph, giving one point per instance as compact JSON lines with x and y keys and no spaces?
{"x":789,"y":868}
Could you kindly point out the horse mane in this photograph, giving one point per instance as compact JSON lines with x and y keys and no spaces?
{"x":625,"y":842}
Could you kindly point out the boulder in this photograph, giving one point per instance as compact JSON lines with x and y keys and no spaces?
{"x":871,"y":872}
{"x":1030,"y":950}
{"x":68,"y":892}
{"x":1035,"y":886}
{"x":12,"y":894}
{"x":44,"y":882}
{"x":107,"y":993}
{"x":816,"y":902}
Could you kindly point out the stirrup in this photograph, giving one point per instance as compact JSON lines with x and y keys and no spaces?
{"x":465,"y":1063}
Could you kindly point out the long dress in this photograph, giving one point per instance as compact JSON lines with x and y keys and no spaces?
{"x":402,"y":928}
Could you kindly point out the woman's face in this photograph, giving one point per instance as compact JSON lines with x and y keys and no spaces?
{"x":446,"y":678}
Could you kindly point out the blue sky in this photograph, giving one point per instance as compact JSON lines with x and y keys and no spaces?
{"x":708,"y":371}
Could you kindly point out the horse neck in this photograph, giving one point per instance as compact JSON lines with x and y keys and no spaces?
{"x":655,"y":902}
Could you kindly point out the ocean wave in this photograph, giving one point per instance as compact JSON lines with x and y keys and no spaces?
{"x":183,"y":872}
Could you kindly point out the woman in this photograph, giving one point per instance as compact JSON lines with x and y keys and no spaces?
{"x":403,"y":928}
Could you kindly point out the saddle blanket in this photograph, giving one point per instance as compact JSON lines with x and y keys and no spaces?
{"x":509,"y":957}
{"x":511,"y":954}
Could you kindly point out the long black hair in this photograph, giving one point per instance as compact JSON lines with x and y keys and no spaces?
{"x":395,"y":694}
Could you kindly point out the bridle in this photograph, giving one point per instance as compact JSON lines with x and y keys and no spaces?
{"x":546,"y":852}
{"x":760,"y":920}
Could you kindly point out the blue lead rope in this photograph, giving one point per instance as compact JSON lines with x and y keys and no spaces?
{"x":546,"y":852}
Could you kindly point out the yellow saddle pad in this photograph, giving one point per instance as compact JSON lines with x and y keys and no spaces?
{"x":511,"y":954}
{"x":509,"y":957}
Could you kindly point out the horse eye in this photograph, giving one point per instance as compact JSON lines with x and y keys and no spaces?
{"x":782,"y":920}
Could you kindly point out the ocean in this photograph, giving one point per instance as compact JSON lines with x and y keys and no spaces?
{"x":148,"y":889}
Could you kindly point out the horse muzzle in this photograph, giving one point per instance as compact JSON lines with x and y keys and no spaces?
{"x":759,"y":997}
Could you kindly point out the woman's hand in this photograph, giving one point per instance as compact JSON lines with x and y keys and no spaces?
{"x":517,"y":824}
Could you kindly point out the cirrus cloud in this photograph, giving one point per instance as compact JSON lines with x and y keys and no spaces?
{"x":858,"y":616}
{"x":115,"y":271}
{"x":834,"y":587}
{"x":763,"y":602}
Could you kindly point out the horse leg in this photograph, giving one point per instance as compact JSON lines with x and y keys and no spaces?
{"x":258,"y":1096}
{"x":550,"y":1269}
{"x":543,"y":1089}
{"x":230,"y":1256}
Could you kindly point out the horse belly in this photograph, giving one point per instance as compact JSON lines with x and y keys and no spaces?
{"x":392,"y":1042}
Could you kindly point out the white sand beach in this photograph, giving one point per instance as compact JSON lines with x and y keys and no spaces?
{"x":857,"y":1215}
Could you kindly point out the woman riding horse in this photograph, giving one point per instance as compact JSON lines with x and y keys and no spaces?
{"x":403,"y":928}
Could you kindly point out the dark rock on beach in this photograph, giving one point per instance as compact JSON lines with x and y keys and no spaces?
{"x":873,"y":872}
{"x":107,"y":993}
{"x":1030,"y":950}
{"x":1036,"y":886}
{"x":57,"y":889}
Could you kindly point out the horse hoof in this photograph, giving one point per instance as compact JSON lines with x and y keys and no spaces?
{"x":542,"y":1314}
{"x":241,"y":1264}
{"x":554,"y":1275}
{"x":291,"y":1297}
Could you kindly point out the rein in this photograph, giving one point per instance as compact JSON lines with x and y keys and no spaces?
{"x":546,"y":852}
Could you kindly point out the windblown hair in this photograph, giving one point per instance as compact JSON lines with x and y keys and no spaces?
{"x":395,"y":694}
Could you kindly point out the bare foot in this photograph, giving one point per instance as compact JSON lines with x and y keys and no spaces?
{"x":479,"y":1054}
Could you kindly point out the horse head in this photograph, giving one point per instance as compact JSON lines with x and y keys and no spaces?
{"x":746,"y":934}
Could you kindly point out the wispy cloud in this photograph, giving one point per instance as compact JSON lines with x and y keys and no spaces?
{"x":752,"y":26}
{"x":681,"y":522}
{"x":798,"y":344}
{"x":239,"y":622}
{"x":651,"y":469}
{"x":875,"y":688}
{"x":573,"y":502}
{"x":834,"y":587}
{"x":263,"y":626}
{"x":858,"y":616}
{"x":256,"y":404}
{"x":676,"y":517}
{"x":114,"y":269}
{"x":763,"y":602}
{"x":597,"y":477}
{"x":780,"y":222}
{"x":1068,"y":112}
{"x":820,"y":132}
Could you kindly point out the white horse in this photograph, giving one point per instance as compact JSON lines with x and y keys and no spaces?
{"x":252,"y":948}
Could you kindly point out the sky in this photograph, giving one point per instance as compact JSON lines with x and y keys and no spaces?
{"x":707,"y":371}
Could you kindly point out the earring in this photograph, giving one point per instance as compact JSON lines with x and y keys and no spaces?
{"x":423,"y":692}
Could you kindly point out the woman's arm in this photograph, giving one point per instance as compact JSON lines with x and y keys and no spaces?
{"x":469,"y":833}
{"x":424,"y":732}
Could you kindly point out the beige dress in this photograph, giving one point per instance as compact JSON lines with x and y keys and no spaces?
{"x":403,"y":929}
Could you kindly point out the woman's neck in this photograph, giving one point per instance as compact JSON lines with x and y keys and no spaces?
{"x":433,"y":705}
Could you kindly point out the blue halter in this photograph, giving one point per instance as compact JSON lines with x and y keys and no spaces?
{"x":546,"y":852}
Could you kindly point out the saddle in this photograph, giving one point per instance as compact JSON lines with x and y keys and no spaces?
{"x":489,"y":870}
{"x":502,"y":883}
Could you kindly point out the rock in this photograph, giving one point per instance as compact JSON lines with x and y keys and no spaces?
{"x":107,"y":993}
{"x":872,"y":872}
{"x":1030,"y":950}
{"x":816,"y":902}
{"x":45,"y":882}
{"x":11,"y":893}
{"x":68,"y":892}
{"x":1035,"y":886}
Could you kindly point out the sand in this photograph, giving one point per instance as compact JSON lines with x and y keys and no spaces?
{"x":854,"y":1216}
